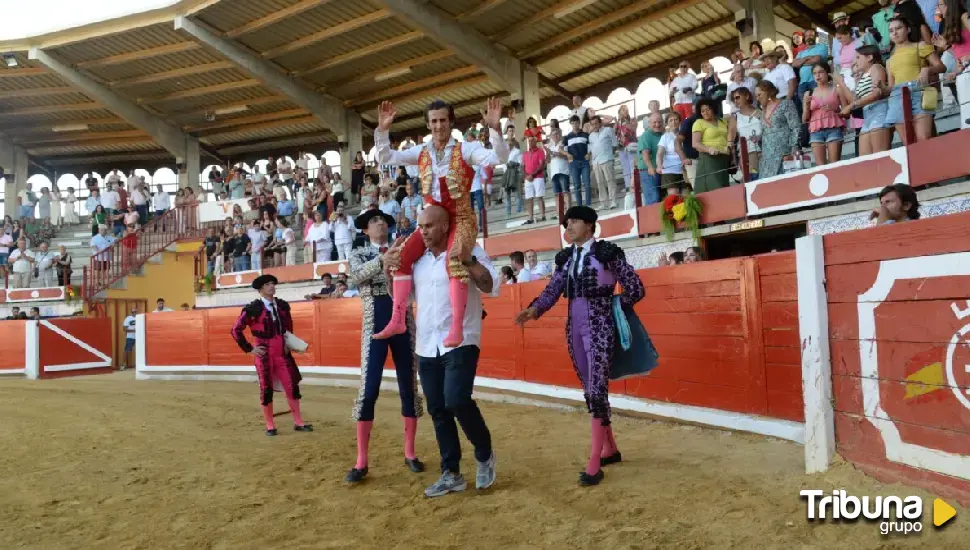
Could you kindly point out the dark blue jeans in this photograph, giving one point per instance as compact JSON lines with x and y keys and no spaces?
{"x":142,"y":214}
{"x":448,"y":381}
{"x":373,"y":363}
{"x":649,"y":188}
{"x":579,"y":175}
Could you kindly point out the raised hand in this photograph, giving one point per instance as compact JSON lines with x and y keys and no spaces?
{"x":493,"y":114}
{"x":385,"y":116}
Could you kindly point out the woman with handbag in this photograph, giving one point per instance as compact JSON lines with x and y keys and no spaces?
{"x":915,"y":66}
{"x":586,"y":274}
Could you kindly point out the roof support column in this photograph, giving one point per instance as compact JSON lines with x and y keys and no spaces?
{"x":350,"y":141}
{"x":190,"y":168}
{"x":529,"y":98}
{"x":162,"y":131}
{"x":759,"y":21}
{"x":14,"y":162}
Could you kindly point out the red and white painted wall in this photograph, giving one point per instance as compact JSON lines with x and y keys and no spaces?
{"x":56,"y":348}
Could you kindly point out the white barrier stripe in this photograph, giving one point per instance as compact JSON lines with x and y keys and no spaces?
{"x":83,"y":345}
{"x":77,"y":366}
{"x":781,"y":429}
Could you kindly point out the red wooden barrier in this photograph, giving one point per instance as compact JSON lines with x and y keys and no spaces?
{"x":897,"y":306}
{"x":719,"y":345}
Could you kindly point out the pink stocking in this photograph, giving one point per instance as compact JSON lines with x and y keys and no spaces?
{"x":268,"y":417}
{"x":410,"y":429}
{"x":459,"y":298}
{"x":402,"y":292}
{"x":597,"y":439}
{"x":363,"y":441}
{"x":295,"y":409}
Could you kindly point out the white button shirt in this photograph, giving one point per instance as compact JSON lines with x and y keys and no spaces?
{"x":474,"y":153}
{"x":431,"y":284}
{"x":601,"y":145}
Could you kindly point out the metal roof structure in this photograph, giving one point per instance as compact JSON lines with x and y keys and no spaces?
{"x":357,"y":51}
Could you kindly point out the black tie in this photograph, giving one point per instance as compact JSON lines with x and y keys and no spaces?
{"x":276,"y":319}
{"x":578,"y":263}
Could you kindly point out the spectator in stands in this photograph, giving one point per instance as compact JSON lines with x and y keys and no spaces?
{"x":522,"y":273}
{"x":815,"y":52}
{"x":579,"y":111}
{"x":14,"y":314}
{"x":781,"y":127}
{"x":319,"y":236}
{"x":257,"y":243}
{"x":357,"y":176}
{"x":22,"y":262}
{"x":370,"y":190}
{"x":63,"y":266}
{"x":112,"y":201}
{"x":162,"y":201}
{"x":44,"y":203}
{"x":337,"y":190}
{"x":709,"y":136}
{"x":27,"y":200}
{"x":140,"y":199}
{"x":670,"y":159}
{"x":339,"y":290}
{"x":755,"y":65}
{"x":822,"y":110}
{"x":797,"y":42}
{"x":100,"y":243}
{"x":693,"y":254}
{"x":781,"y":75}
{"x":653,"y":107}
{"x":34,"y":314}
{"x":6,"y":242}
{"x":577,"y":152}
{"x":746,"y":122}
{"x":411,"y":206}
{"x":506,"y":275}
{"x":185,"y":307}
{"x":559,"y":166}
{"x":213,"y":250}
{"x":647,"y":146}
{"x":675,"y":258}
{"x":602,"y":145}
{"x":237,"y":185}
{"x":130,"y":332}
{"x":880,"y":23}
{"x":682,"y":90}
{"x":513,"y":176}
{"x":686,"y":139}
{"x":160,"y":306}
{"x":285,"y":168}
{"x":534,"y":166}
{"x":99,"y":219}
{"x":70,"y":209}
{"x":954,"y":32}
{"x":917,"y":27}
{"x":241,"y":249}
{"x":343,"y":232}
{"x":626,"y":138}
{"x":916,"y":66}
{"x":390,"y":206}
{"x":739,"y":80}
{"x":897,"y":203}
{"x":44,"y":266}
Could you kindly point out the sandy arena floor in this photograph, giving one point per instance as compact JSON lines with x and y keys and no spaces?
{"x":108,"y":462}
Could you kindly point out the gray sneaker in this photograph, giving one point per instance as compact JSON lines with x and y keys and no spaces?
{"x":447,"y":483}
{"x":485,"y":476}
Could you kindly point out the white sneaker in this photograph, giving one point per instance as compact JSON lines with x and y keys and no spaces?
{"x":485,"y":475}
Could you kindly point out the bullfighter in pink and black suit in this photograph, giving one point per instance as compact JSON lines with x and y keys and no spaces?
{"x":586,"y":274}
{"x":268,"y":318}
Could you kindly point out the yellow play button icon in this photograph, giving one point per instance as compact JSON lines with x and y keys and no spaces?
{"x":942,"y":512}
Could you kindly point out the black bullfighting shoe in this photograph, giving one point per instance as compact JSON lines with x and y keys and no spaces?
{"x":587,"y":480}
{"x":304,"y":428}
{"x":414,"y":465}
{"x":612,"y":459}
{"x":356,"y":475}
{"x":271,"y":432}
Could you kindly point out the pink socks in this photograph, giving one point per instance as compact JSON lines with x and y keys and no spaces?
{"x":609,"y":445}
{"x":295,"y":409}
{"x":459,"y":299}
{"x":363,"y":441}
{"x":268,"y":417}
{"x":410,"y":429}
{"x":597,"y":439}
{"x":402,"y":292}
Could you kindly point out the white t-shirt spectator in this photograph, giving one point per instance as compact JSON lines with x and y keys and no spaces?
{"x":319,"y":234}
{"x":687,"y":82}
{"x":6,"y":242}
{"x":601,"y":145}
{"x":342,"y":232}
{"x":280,"y":193}
{"x":129,"y":324}
{"x":25,"y":197}
{"x":580,"y":112}
{"x":285,"y":168}
{"x":19,"y":260}
{"x":515,"y":155}
{"x":557,"y":165}
{"x":110,"y":199}
{"x":114,"y":177}
{"x":139,"y":197}
{"x":132,"y":182}
{"x":524,"y":275}
{"x":779,"y":76}
{"x":672,"y":163}
{"x":258,"y":238}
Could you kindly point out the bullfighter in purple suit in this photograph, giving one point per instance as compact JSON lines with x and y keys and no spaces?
{"x":268,"y":318}
{"x":586,"y":274}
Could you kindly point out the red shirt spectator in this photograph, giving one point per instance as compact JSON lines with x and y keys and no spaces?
{"x":533,"y":160}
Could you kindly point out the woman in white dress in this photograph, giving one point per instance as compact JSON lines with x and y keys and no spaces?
{"x":746,"y":122}
{"x":70,"y":210}
{"x":55,"y":206}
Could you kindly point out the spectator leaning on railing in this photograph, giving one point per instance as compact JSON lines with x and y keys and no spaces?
{"x":917,"y":66}
{"x":897,"y":203}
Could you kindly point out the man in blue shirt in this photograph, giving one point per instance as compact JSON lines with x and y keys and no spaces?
{"x":285,"y":208}
{"x":816,"y":52}
{"x":577,"y":151}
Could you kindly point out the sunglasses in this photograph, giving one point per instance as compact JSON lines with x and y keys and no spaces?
{"x":684,"y":67}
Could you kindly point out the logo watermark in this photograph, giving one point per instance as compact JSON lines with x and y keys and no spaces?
{"x":896,"y":515}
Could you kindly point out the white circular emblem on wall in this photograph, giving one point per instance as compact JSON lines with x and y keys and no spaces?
{"x":35,"y":294}
{"x":819,"y":185}
{"x":342,"y":268}
{"x":960,"y":390}
{"x":238,"y":279}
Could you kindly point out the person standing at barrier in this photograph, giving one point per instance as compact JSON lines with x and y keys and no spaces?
{"x":448,"y":372}
{"x":367,"y":272}
{"x":586,"y":274}
{"x":447,"y":170}
{"x":268,"y":318}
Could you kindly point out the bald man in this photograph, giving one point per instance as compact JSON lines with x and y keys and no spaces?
{"x":448,"y":373}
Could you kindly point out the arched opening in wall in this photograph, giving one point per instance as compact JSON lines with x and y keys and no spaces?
{"x":332,"y":159}
{"x":39,"y":181}
{"x":561,"y":114}
{"x":142,"y":173}
{"x":649,"y":90}
{"x":617,"y":98}
{"x":312,"y":166}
